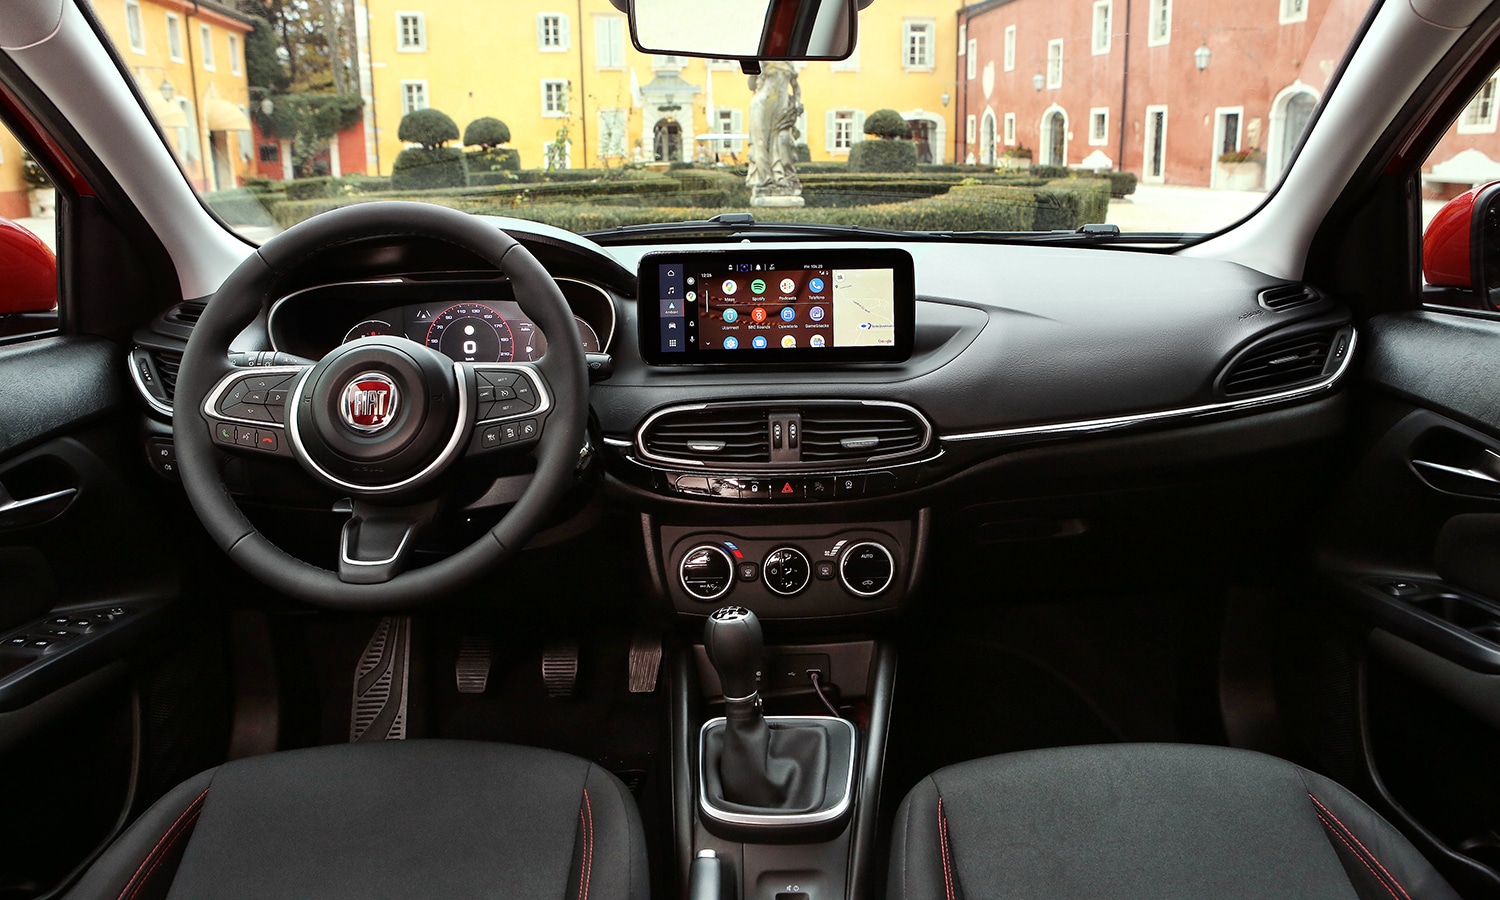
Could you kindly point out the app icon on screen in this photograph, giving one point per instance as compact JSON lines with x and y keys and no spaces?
{"x":692,"y":295}
{"x":730,"y":315}
{"x":816,"y":313}
{"x":788,"y":341}
{"x":759,"y":342}
{"x":729,"y":286}
{"x":731,"y":343}
{"x":758,"y":314}
{"x":816,"y":340}
{"x":758,"y":286}
{"x":788,"y":314}
{"x":816,"y":285}
{"x":788,"y":285}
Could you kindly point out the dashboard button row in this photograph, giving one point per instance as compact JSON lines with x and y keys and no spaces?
{"x":783,"y":489}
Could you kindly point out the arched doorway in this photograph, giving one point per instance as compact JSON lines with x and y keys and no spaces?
{"x":1055,"y":138}
{"x":1291,"y":113}
{"x":667,"y":140}
{"x":987,"y":139}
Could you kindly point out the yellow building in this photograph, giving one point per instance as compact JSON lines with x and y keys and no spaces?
{"x":13,"y":203}
{"x":542,"y":66}
{"x":188,"y":59}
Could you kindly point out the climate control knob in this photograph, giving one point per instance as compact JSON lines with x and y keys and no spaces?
{"x":867,"y":569}
{"x":786,"y":570}
{"x":706,"y":572}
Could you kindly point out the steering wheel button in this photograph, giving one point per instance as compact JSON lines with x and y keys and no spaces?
{"x":486,"y":393}
{"x":266,"y":440}
{"x":252,"y":411}
{"x":510,"y":432}
{"x":528,"y":428}
{"x":276,"y":397}
{"x":524,"y":392}
{"x":504,"y":393}
{"x":508,"y":408}
{"x":255,"y":396}
{"x":224,"y":433}
{"x":262,"y":383}
{"x":235,"y":393}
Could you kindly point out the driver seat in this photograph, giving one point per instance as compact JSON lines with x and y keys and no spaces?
{"x":393,"y":819}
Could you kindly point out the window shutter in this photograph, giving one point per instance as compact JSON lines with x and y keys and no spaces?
{"x":737,"y":124}
{"x":858,"y":133}
{"x":603,"y":43}
{"x":829,"y":131}
{"x":565,"y":31}
{"x":541,"y":32}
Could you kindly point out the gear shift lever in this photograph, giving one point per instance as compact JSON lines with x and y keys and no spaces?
{"x":734,"y":643}
{"x":750,"y":773}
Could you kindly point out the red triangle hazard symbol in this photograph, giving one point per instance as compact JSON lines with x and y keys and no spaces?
{"x":787,"y":488}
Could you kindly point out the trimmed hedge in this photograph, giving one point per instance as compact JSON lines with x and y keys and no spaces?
{"x":1050,"y":172}
{"x":883,"y":156}
{"x":488,"y":179}
{"x":243,"y":206}
{"x":500,"y":159}
{"x":418,"y":168}
{"x":1121,"y":184}
{"x":1068,"y":204}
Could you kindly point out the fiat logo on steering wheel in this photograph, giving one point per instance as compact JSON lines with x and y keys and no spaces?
{"x":369,"y":402}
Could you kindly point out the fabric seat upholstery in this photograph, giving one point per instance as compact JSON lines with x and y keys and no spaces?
{"x":1147,"y":820}
{"x":395,"y":819}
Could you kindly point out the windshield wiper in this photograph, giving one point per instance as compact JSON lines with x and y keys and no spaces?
{"x":1087,"y":236}
{"x":744,"y":223}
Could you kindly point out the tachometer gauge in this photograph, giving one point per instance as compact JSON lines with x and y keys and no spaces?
{"x":471,"y":332}
{"x":534,"y":344}
{"x":372,"y":327}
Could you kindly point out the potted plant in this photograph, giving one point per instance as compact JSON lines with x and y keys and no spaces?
{"x":1017,"y":157}
{"x":39,"y":190}
{"x":1241,"y":170}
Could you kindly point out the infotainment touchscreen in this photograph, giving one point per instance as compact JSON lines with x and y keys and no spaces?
{"x":755,"y":307}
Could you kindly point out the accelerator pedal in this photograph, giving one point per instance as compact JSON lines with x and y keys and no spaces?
{"x":378,"y":712}
{"x":645,"y":663}
{"x":472,"y":671}
{"x":560,"y":668}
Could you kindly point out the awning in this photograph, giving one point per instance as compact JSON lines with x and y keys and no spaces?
{"x":225,"y":116}
{"x":167,"y":113}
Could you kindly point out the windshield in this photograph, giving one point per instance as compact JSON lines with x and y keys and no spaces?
{"x":1000,"y":116}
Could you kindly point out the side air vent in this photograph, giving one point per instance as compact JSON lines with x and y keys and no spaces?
{"x":186,"y":314}
{"x":167,"y":364}
{"x":731,"y":434}
{"x":860,"y":432}
{"x":1288,"y":296}
{"x":1283,"y":362}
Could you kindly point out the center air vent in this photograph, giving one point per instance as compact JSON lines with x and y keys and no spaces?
{"x":1288,"y":296}
{"x":807,"y":434}
{"x":1283,"y":362}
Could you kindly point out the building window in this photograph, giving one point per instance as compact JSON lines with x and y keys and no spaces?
{"x":557,"y":157}
{"x":730,"y":122}
{"x":846,"y":65}
{"x":1479,"y":116}
{"x":917,"y":43}
{"x":234,"y":54}
{"x":270,"y":153}
{"x":187,"y":135}
{"x":668,"y":63}
{"x":552,"y":32}
{"x":1010,"y":129}
{"x":1293,"y":11}
{"x":1099,"y":126}
{"x":612,"y":126}
{"x":174,"y":37}
{"x":1103,"y":12}
{"x":969,"y":126}
{"x":963,"y":39}
{"x":1159,"y":30}
{"x":206,"y":39}
{"x":1010,"y":48}
{"x":1227,"y":128}
{"x":844,"y":128}
{"x":555,"y":97}
{"x":1156,"y":144}
{"x":413,"y":96}
{"x":733,"y":65}
{"x":134,"y":26}
{"x":411,"y":32}
{"x":973,"y":61}
{"x":1054,"y":63}
{"x":609,"y":42}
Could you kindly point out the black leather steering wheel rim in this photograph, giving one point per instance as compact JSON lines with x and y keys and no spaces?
{"x":249,"y":290}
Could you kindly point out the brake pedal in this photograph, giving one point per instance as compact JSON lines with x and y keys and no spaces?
{"x":378,"y":712}
{"x":472,"y":671}
{"x":645,"y":663}
{"x":560,"y":668}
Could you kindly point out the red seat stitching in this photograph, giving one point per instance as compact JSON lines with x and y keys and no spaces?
{"x":1356,"y":840}
{"x":126,"y":889}
{"x":588,"y":845}
{"x":1378,"y":880}
{"x":166,"y":851}
{"x":948,"y":892}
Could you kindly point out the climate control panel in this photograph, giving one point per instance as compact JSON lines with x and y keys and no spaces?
{"x":789,"y":571}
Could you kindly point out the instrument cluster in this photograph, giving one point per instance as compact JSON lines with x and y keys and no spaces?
{"x":470,"y":331}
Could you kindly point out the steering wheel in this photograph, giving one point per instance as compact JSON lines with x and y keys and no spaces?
{"x":380,"y":419}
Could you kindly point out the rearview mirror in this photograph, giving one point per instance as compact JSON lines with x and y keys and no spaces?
{"x":764,"y":30}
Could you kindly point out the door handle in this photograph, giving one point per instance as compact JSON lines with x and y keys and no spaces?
{"x":33,"y":510}
{"x":1458,"y":479}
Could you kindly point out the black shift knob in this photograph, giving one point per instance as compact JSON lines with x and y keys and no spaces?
{"x":734,"y":643}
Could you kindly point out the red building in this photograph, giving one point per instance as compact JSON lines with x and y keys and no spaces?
{"x":1162,"y":88}
{"x":344,"y":155}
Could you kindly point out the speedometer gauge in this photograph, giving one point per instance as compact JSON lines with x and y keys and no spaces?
{"x":471,"y":332}
{"x":534,"y":344}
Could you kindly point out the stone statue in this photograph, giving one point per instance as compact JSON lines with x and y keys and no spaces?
{"x":774,"y":111}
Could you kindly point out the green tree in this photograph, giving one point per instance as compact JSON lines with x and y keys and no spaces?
{"x":263,"y":65}
{"x":487,"y":133}
{"x":431,"y":128}
{"x":887,"y":124}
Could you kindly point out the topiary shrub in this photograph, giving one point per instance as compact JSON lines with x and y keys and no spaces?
{"x":312,"y":188}
{"x":1049,"y":172}
{"x":887,"y":124}
{"x":498,"y":159}
{"x":1121,"y":184}
{"x":803,"y":154}
{"x":429,"y":127}
{"x":883,"y":156}
{"x":486,"y":132}
{"x":421,"y":168}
